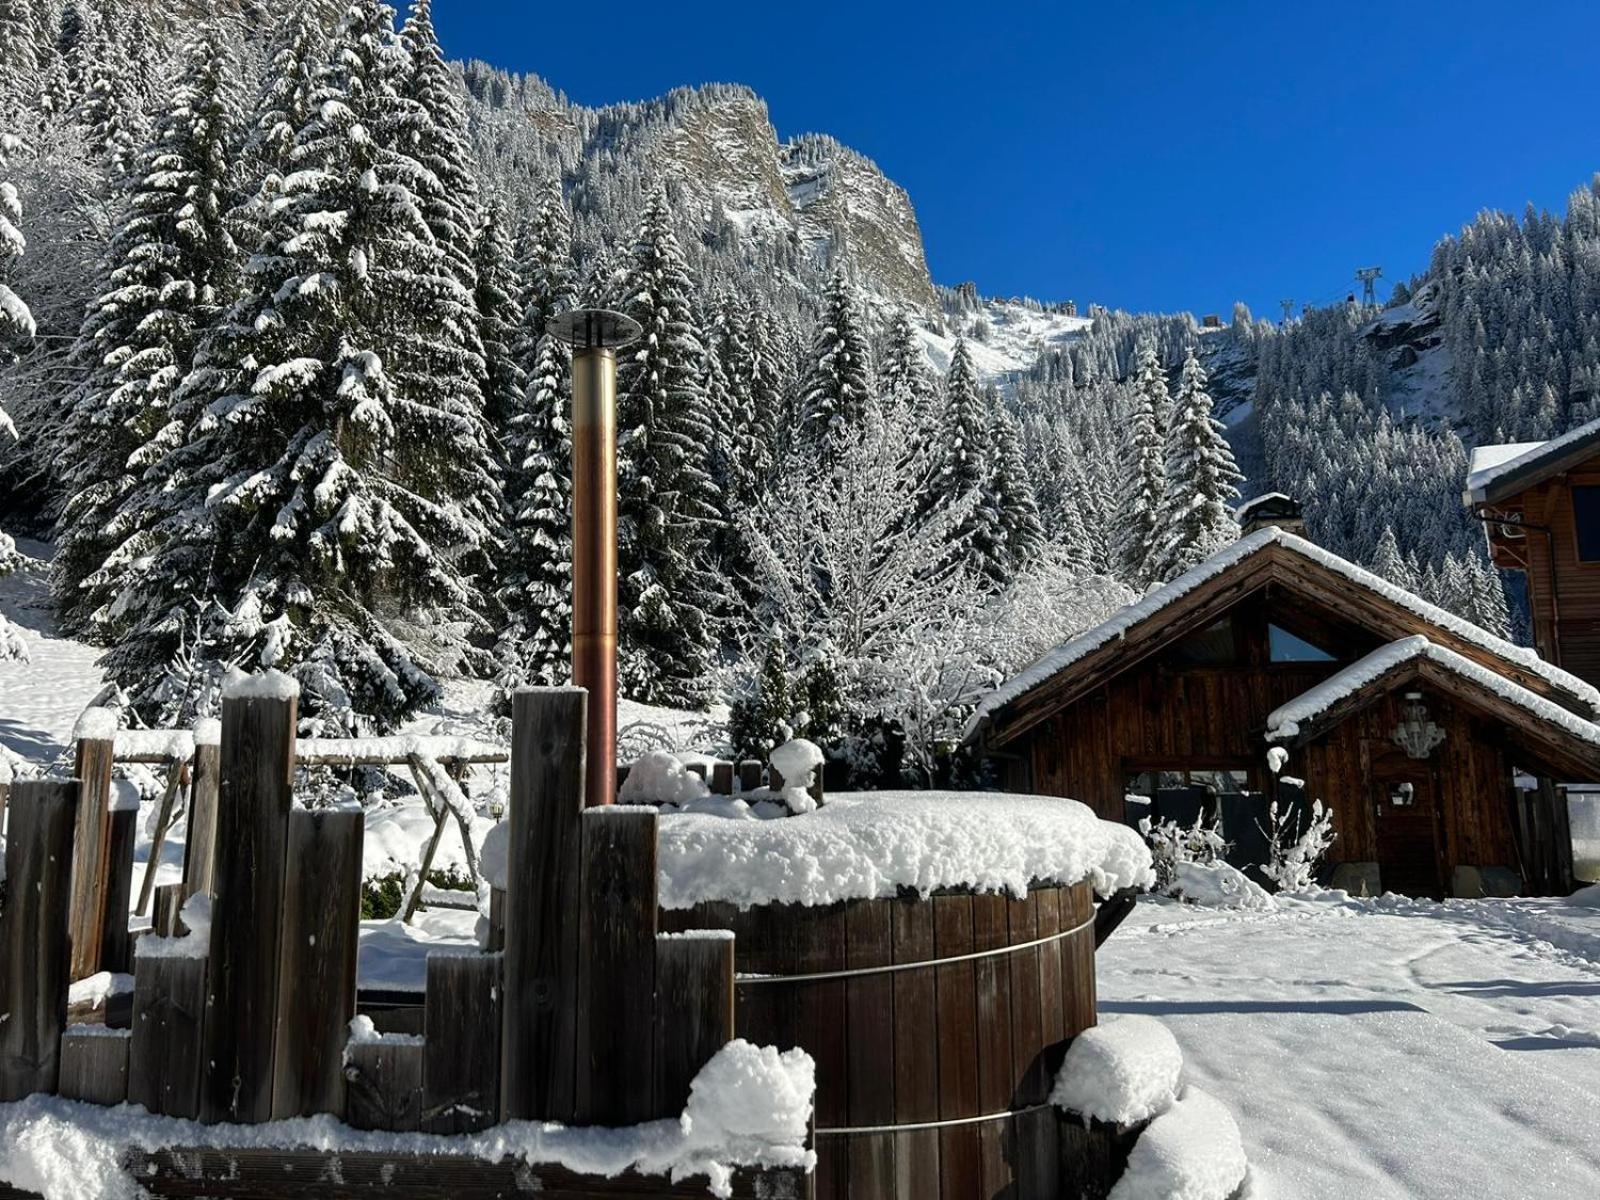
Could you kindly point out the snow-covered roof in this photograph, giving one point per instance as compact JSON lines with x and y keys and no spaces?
{"x":1284,"y":722}
{"x":1245,"y":506}
{"x":1492,"y":465}
{"x":871,"y":844}
{"x":1118,"y":625}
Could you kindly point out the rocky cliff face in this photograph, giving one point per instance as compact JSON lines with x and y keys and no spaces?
{"x":797,"y":207}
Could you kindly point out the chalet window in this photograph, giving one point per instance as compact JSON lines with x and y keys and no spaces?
{"x":1285,"y":647}
{"x":1586,"y":516}
{"x":1148,"y":783}
{"x":1212,"y":646}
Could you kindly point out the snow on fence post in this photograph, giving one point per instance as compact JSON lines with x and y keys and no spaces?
{"x":96,"y":741}
{"x":616,"y":974}
{"x":116,"y":952}
{"x":462,"y":1017}
{"x":693,"y":1010}
{"x":199,"y":844}
{"x":257,"y":772}
{"x":35,"y":970}
{"x":317,"y":962}
{"x":539,"y":1045}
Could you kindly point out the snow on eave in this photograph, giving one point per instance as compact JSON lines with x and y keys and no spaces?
{"x":1533,"y":455}
{"x":1285,"y":721}
{"x":1119,"y":624}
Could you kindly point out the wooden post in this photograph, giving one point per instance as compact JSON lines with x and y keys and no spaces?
{"x":90,"y":840}
{"x":35,"y":969}
{"x":257,"y":769}
{"x":774,"y":778}
{"x":169,"y":901}
{"x":94,"y":1064}
{"x":616,"y":973}
{"x":115,"y":947}
{"x":539,"y":1060}
{"x":696,"y":768}
{"x":722,"y":779}
{"x":169,"y":797}
{"x":317,"y":963}
{"x":497,"y":920}
{"x":749,"y":775}
{"x":199,"y":849}
{"x":694,"y":1010}
{"x":461,"y":1043}
{"x":169,"y":1009}
{"x":384,"y":1084}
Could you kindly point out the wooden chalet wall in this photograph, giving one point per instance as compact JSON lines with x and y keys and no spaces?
{"x":1558,"y":583}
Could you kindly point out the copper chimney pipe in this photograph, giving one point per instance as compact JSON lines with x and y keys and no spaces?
{"x":595,"y":335}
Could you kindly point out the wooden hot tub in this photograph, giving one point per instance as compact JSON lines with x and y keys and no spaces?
{"x":937,"y":1024}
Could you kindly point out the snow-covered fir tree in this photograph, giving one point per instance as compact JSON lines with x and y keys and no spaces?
{"x":903,"y":374}
{"x":1196,"y":518}
{"x":169,"y":268}
{"x":1390,"y":564}
{"x":1142,"y":496}
{"x":964,"y":476}
{"x":837,"y":386}
{"x":497,"y":295}
{"x":1021,"y":533}
{"x":666,"y":505}
{"x":16,"y":327}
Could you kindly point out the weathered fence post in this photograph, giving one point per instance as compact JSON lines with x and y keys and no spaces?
{"x":257,"y":769}
{"x":722,"y":778}
{"x":317,"y":964}
{"x":94,"y":1064}
{"x":123,"y":831}
{"x":35,"y":970}
{"x":461,"y":1043}
{"x":199,"y":848}
{"x":169,"y":1010}
{"x":749,"y":775}
{"x":169,"y":899}
{"x":539,"y":1060}
{"x":384,"y":1084}
{"x":617,"y":963}
{"x":694,"y":1010}
{"x":95,"y":735}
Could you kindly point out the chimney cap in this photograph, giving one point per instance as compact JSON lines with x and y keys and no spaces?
{"x":594,"y":328}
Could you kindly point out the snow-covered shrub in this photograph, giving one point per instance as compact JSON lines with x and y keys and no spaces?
{"x":1122,"y":1071}
{"x":1295,"y":854}
{"x":1171,"y":844}
{"x":661,"y":778}
{"x":1218,"y":885}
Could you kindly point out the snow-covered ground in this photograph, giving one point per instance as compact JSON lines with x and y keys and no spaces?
{"x":1384,"y":1049}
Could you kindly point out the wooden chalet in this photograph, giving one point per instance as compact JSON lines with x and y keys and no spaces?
{"x":1409,"y":723}
{"x":1540,"y":505}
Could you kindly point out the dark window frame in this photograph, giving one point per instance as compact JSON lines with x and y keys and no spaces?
{"x":1586,"y":504}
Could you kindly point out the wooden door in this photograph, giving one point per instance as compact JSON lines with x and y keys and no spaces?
{"x":1405,"y":823}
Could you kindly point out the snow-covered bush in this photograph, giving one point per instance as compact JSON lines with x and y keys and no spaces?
{"x":1172,"y":844}
{"x":1218,"y":885}
{"x":1295,"y":854}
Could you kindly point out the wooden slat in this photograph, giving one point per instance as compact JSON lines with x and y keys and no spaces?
{"x":461,"y":1053}
{"x":176,"y":772}
{"x":996,"y":1079}
{"x":616,"y":969}
{"x":961,"y":1170}
{"x":94,"y":1065}
{"x":35,"y":969}
{"x":168,"y":903}
{"x":916,"y":1050}
{"x":870,"y":1038}
{"x":122,"y":832}
{"x":749,"y":774}
{"x":199,"y":849}
{"x":317,"y":961}
{"x":90,"y":842}
{"x":257,"y":768}
{"x":383,"y":1085}
{"x":539,"y":1075}
{"x":169,"y":1005}
{"x":722,"y":779}
{"x":693,"y":1012}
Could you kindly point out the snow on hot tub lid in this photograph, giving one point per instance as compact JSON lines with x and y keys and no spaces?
{"x":861,"y":845}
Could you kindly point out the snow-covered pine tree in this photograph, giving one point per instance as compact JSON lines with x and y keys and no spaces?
{"x":535,"y":645}
{"x":837,"y":386}
{"x":1021,"y":533}
{"x":903,"y":375}
{"x":16,"y":326}
{"x":1139,"y":505}
{"x":334,"y":482}
{"x":448,"y":191}
{"x":1488,"y":607}
{"x":169,"y":268}
{"x":498,"y":297}
{"x":1388,"y":563}
{"x":1202,"y":480}
{"x":109,"y":104}
{"x":666,"y":505}
{"x":20,"y":75}
{"x":965,"y":475}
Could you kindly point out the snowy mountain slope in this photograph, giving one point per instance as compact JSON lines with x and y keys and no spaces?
{"x":1003,"y":336}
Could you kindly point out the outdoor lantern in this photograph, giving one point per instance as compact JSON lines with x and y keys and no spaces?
{"x":1416,"y":734}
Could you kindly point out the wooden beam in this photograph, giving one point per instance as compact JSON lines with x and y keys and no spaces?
{"x":176,"y":772}
{"x":94,"y":1064}
{"x":694,"y":1010}
{"x":90,"y":842}
{"x":34,"y":971}
{"x":115,"y":943}
{"x":199,"y":849}
{"x":539,"y":1074}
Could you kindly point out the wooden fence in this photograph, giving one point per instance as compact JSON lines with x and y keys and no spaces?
{"x":588,"y":1017}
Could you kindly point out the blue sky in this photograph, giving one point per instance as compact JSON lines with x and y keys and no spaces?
{"x":1146,"y":155}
